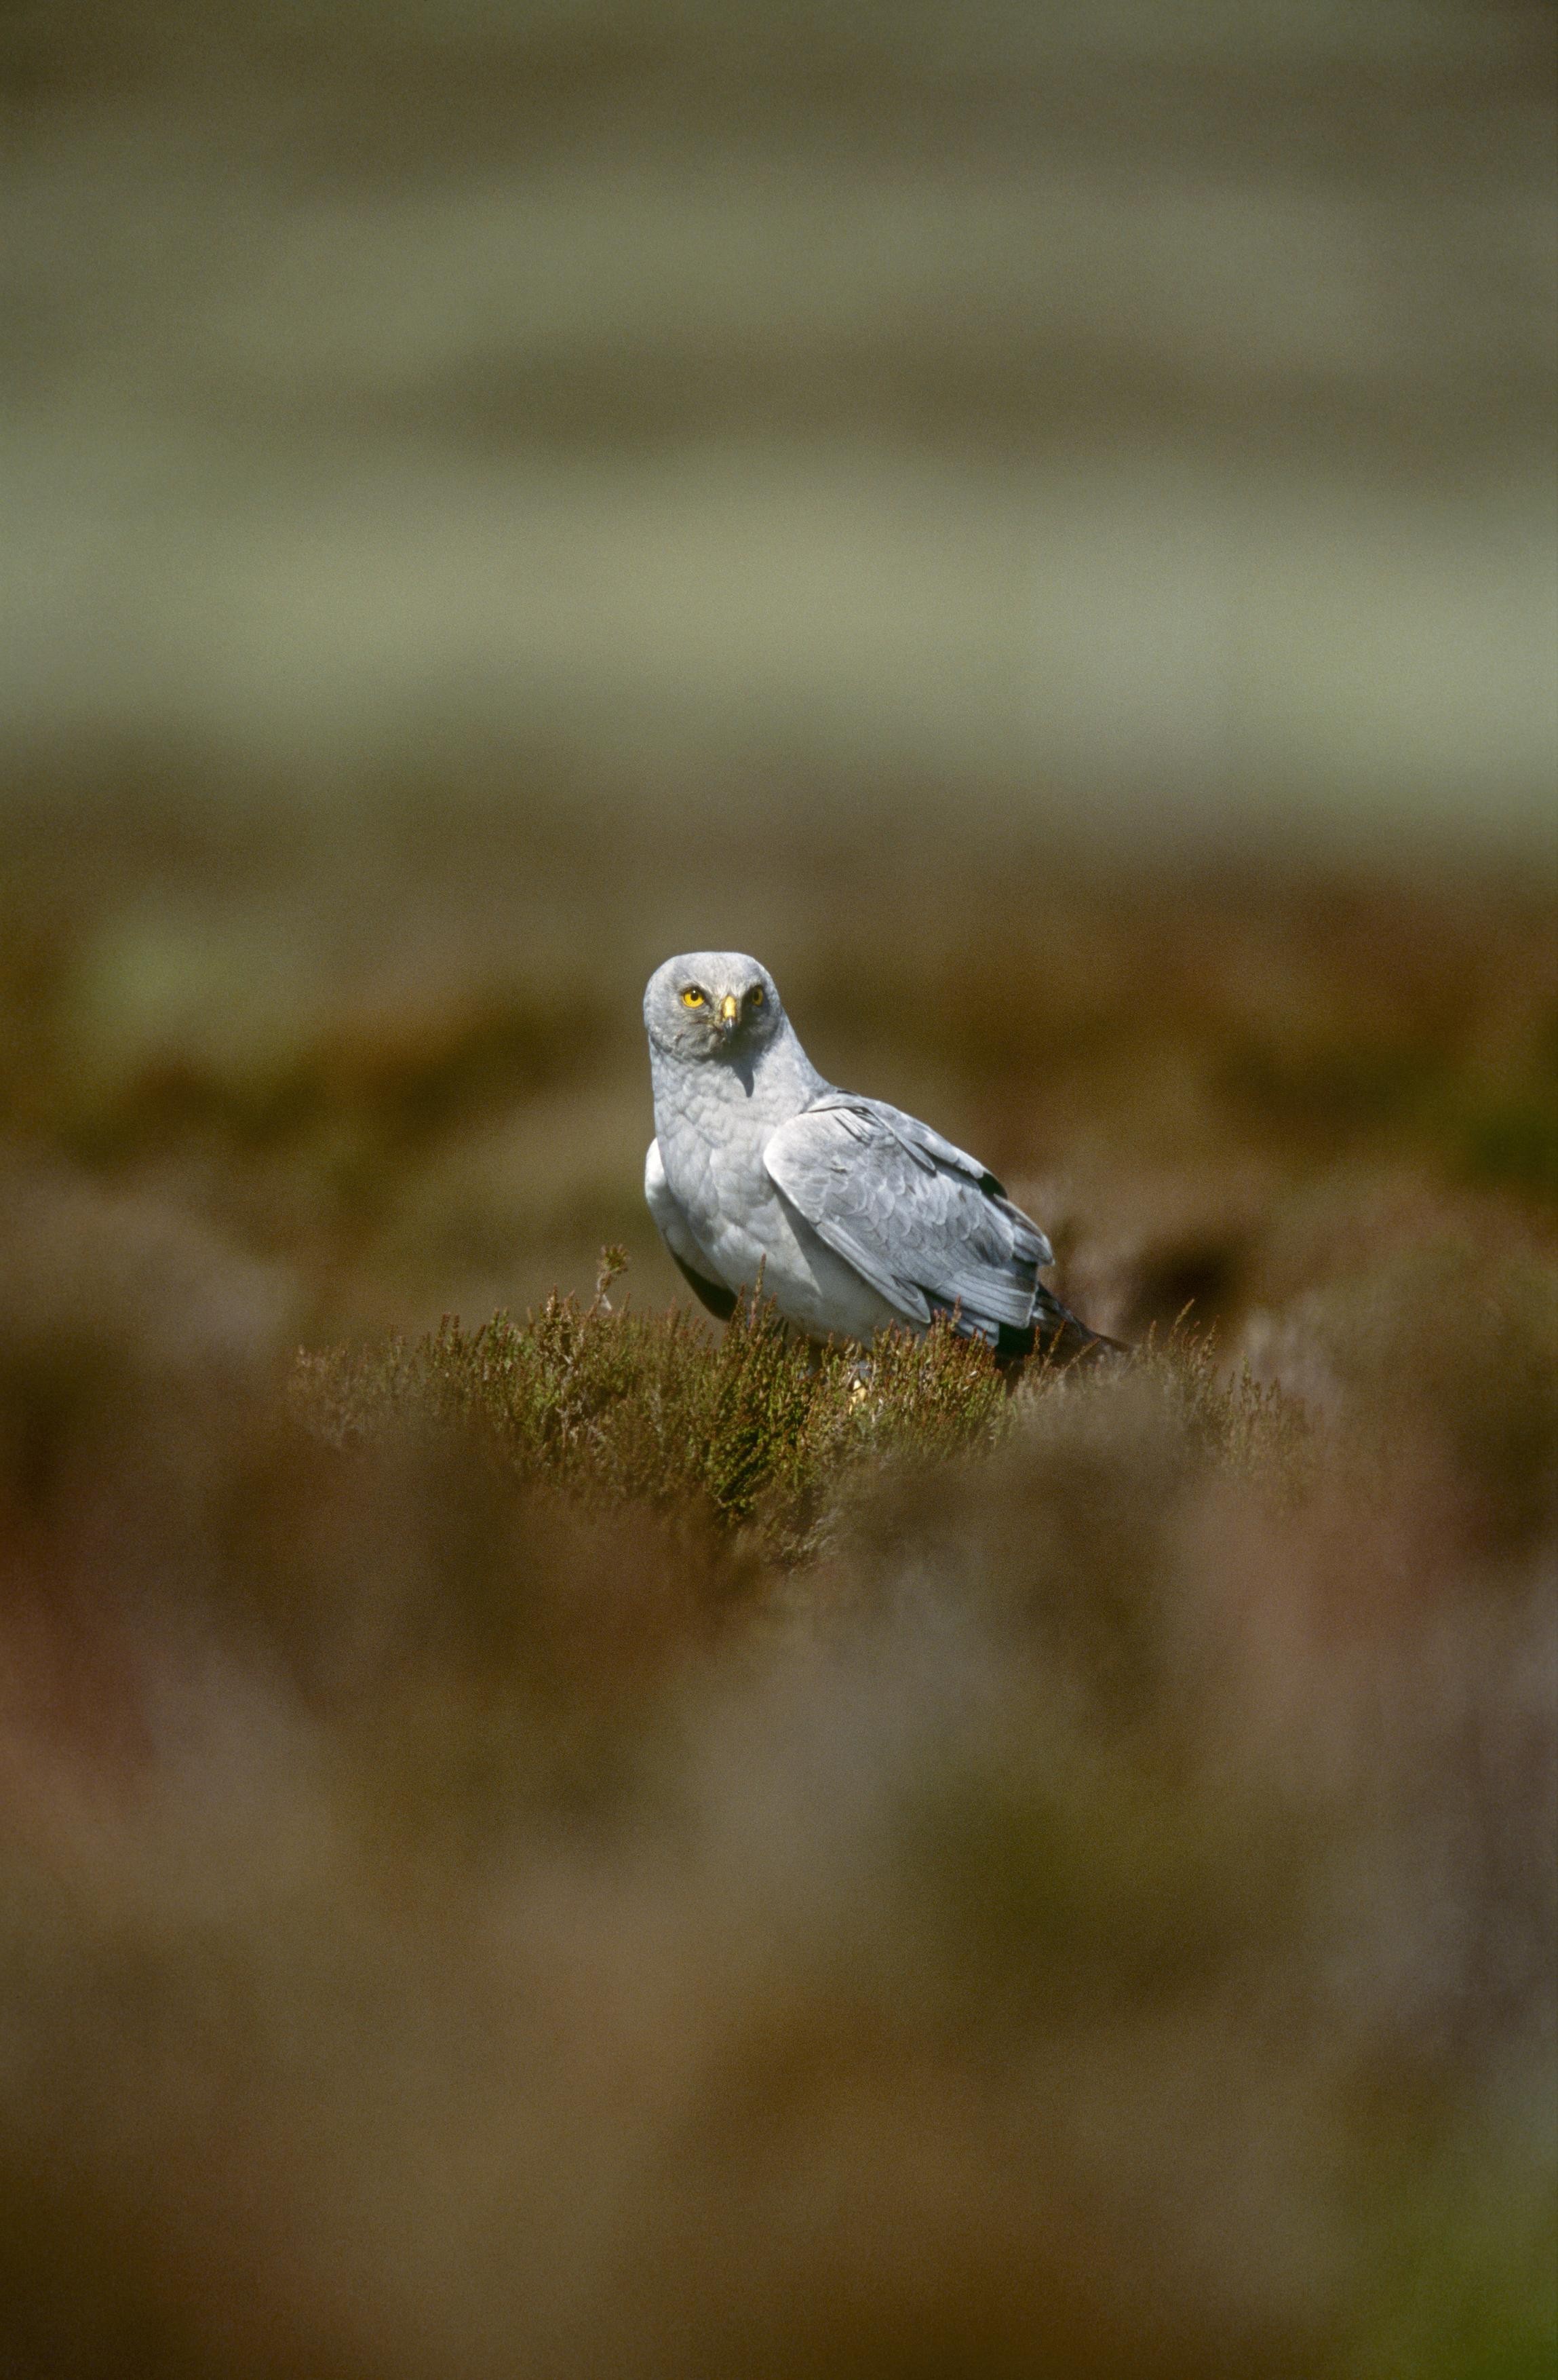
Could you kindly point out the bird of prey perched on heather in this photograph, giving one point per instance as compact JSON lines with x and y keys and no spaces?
{"x":853,"y":1215}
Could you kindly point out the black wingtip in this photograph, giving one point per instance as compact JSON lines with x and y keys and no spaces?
{"x":1060,"y":1337}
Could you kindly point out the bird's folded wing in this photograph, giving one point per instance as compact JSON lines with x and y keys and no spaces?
{"x":927,"y":1148}
{"x":919,"y":1219}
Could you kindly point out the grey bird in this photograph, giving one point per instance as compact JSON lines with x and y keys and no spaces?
{"x":852,"y":1215}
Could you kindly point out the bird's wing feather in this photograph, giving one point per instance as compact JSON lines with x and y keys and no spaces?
{"x":690,"y":1261}
{"x":919,"y":1219}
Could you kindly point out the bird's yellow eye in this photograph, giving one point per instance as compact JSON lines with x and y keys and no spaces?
{"x":693,"y":997}
{"x":755,"y":995}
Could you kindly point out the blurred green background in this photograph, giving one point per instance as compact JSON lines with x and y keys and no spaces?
{"x":1140,"y":406}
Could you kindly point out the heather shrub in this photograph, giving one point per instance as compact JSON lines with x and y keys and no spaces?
{"x":615,"y":1406}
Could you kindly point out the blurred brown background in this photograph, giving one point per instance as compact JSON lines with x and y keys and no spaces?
{"x":1038,"y":520}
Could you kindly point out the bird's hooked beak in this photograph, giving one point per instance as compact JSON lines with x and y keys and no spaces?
{"x":729,"y":1012}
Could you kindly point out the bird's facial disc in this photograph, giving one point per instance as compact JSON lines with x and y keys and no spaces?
{"x":711,"y":1002}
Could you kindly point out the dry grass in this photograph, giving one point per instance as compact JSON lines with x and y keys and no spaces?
{"x":581,"y":1846}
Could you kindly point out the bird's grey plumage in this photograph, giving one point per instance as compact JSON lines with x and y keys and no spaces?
{"x":675,"y":1230}
{"x":925,"y":1223}
{"x":852,"y":1214}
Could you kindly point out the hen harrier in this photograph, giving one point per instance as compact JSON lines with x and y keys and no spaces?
{"x":854,"y":1215}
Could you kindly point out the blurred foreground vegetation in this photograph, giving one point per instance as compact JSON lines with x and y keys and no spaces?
{"x":574,"y":1844}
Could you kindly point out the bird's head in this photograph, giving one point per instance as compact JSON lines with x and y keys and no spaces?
{"x":711,"y":1004}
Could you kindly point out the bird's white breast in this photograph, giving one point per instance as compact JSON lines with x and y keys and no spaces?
{"x":712,"y":1125}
